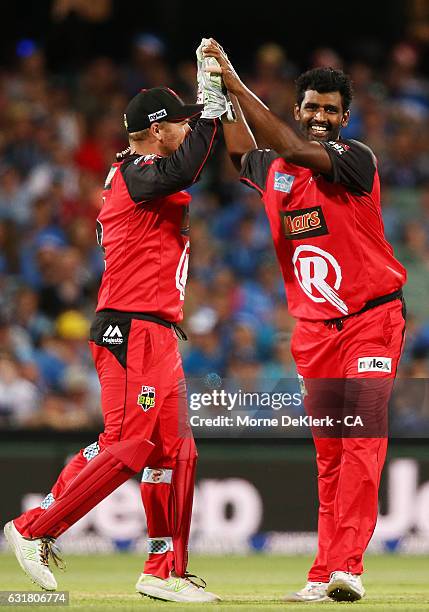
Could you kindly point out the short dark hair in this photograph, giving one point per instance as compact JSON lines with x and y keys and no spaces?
{"x":325,"y":80}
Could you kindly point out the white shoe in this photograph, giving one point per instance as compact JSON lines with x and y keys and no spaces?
{"x":33,"y":556}
{"x":313,"y":591}
{"x":173,"y":589}
{"x":344,"y":586}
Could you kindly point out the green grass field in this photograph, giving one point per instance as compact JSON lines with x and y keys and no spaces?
{"x":245,"y":583}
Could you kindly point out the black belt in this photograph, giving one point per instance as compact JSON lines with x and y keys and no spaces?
{"x":147,"y":317}
{"x":383,"y":299}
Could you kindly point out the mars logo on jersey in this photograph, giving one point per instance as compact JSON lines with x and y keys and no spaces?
{"x":319,"y":275}
{"x":146,"y":399}
{"x":304,"y":223}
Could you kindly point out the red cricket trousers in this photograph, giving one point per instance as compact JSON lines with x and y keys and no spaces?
{"x":362,"y":356}
{"x":143,"y":395}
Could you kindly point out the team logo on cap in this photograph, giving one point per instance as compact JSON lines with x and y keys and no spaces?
{"x":158,"y":115}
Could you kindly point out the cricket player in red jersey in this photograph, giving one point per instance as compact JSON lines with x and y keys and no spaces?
{"x":343,"y":285}
{"x":143,"y":229}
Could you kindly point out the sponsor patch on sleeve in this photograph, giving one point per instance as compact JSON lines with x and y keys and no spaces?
{"x":304,"y":223}
{"x":283,"y":182}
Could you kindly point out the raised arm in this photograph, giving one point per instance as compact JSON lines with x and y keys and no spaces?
{"x":151,"y":176}
{"x":278,"y":135}
{"x":238,"y":136}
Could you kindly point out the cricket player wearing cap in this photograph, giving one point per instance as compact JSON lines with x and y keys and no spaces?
{"x":143,"y":229}
{"x":344,"y":286}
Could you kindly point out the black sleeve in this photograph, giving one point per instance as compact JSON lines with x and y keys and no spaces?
{"x":353,"y":164}
{"x":255,"y":167}
{"x":151,"y":177}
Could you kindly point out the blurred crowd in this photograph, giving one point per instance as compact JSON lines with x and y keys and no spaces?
{"x":59,"y":134}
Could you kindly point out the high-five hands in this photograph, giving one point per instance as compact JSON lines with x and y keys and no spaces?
{"x":211,"y":91}
{"x":220,"y":64}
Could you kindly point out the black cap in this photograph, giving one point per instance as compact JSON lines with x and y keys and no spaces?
{"x":157,"y":104}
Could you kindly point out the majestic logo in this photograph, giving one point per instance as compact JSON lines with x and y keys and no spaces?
{"x":158,"y":115}
{"x":146,"y":399}
{"x":319,"y":275}
{"x":113,"y":335}
{"x":304,"y":223}
{"x":339,"y":147}
{"x":283,"y":182}
{"x":374,"y":364}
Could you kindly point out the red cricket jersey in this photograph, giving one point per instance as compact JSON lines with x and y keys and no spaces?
{"x":143,"y":227}
{"x":327,"y":230}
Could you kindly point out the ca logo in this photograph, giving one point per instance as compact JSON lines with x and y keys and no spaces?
{"x":319,"y":275}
